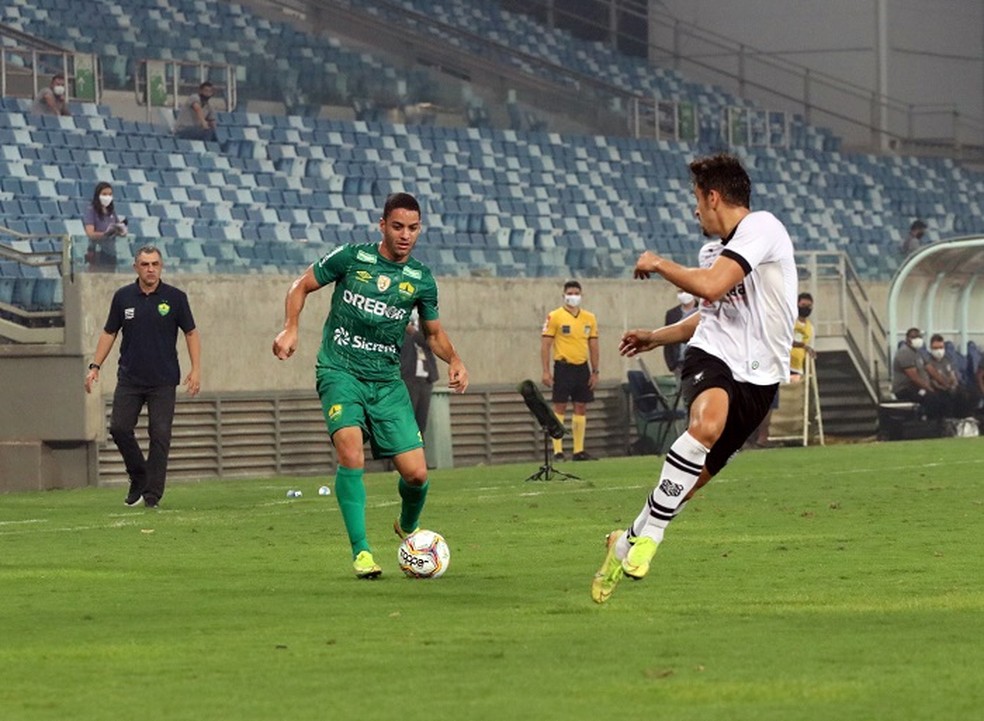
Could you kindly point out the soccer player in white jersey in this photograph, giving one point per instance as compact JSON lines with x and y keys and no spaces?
{"x":738,"y":351}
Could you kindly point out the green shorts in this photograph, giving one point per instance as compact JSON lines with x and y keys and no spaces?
{"x":382,"y":409}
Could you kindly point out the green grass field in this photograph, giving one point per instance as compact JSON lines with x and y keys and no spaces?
{"x":810,"y":584}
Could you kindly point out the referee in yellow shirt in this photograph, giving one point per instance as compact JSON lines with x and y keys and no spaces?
{"x":572,"y":334}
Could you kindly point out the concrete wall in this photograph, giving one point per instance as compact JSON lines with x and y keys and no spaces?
{"x":935,"y":48}
{"x":495,"y":324}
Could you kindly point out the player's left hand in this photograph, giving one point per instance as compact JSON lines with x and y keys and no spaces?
{"x":637,"y":341}
{"x":457,"y":376}
{"x":285,"y":344}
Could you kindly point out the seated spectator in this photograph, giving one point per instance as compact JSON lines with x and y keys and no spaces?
{"x":53,"y":100}
{"x":102,"y":226}
{"x":915,"y":238}
{"x":911,"y":382}
{"x":944,"y":378}
{"x":196,"y":118}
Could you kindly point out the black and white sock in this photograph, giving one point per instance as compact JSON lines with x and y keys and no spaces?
{"x":683,"y":464}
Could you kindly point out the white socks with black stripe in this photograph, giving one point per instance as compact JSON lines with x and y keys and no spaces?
{"x":683,"y":464}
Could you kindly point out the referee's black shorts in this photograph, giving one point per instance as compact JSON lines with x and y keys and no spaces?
{"x":571,"y":383}
{"x":747,"y":402}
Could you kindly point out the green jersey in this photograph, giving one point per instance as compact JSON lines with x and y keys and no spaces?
{"x":370,"y":309}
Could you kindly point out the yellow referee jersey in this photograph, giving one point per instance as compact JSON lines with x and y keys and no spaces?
{"x":570,"y":333}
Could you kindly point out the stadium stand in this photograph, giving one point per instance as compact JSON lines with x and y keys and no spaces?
{"x":275,"y":191}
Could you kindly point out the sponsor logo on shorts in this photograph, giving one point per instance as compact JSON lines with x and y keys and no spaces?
{"x":365,"y":257}
{"x":412,"y":273}
{"x":163,"y":308}
{"x":670,"y":488}
{"x":335,"y":411}
{"x":383,"y":282}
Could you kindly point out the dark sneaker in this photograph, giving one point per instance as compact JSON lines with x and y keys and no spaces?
{"x":134,"y":497}
{"x":150,"y":502}
{"x":584,"y":456}
{"x":559,"y":456}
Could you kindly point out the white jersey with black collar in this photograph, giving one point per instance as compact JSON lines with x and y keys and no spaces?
{"x":751,"y":327}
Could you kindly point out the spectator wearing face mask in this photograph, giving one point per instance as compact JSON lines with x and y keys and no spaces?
{"x":102,"y":226}
{"x":911,"y":381}
{"x":802,"y":339}
{"x":196,"y":119}
{"x":570,"y":339}
{"x":53,"y":100}
{"x":673,"y":353}
{"x":944,"y":379}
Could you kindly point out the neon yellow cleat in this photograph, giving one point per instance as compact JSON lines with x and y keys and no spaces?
{"x":398,"y":530}
{"x":365,"y":566}
{"x":610,"y":572}
{"x":636,"y":561}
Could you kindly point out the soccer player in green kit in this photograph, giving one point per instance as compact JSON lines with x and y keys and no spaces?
{"x":358,"y":369}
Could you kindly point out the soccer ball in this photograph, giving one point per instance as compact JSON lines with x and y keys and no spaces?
{"x":424,"y":554}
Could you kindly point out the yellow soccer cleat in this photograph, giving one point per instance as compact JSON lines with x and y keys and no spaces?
{"x":610,"y":572}
{"x":398,"y":530}
{"x":365,"y":566}
{"x":636,"y":561}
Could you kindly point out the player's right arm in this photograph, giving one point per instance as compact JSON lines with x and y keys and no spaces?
{"x":639,"y":341}
{"x":285,"y":343}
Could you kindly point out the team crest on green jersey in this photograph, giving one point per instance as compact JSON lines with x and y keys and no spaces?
{"x":383,"y":282}
{"x":163,"y":308}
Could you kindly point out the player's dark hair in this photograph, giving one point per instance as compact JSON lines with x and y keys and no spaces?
{"x":400,"y":200}
{"x":97,"y":206}
{"x":725,"y":174}
{"x":912,"y":332}
{"x":572,"y":284}
{"x":936,"y":337}
{"x":805,"y":296}
{"x":57,"y":76}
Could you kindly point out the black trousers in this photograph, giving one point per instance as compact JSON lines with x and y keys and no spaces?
{"x":420,"y":396}
{"x":149,"y":473}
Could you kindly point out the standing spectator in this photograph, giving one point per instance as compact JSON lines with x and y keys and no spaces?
{"x":802,"y":339}
{"x":102,"y":226}
{"x":572,"y":333}
{"x":53,"y":100}
{"x":910,"y":381}
{"x":196,"y":119}
{"x":358,"y":374}
{"x":149,"y":312}
{"x":738,"y":354}
{"x":418,"y":366}
{"x":915,"y":238}
{"x":673,"y":353}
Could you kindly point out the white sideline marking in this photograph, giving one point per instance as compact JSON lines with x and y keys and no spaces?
{"x":31,"y":520}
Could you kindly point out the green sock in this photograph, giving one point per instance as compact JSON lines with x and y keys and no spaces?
{"x":351,"y":494}
{"x":413,"y":503}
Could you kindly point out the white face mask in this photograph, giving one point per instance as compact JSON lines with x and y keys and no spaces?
{"x":106,"y":200}
{"x":916,"y":343}
{"x":58,"y":90}
{"x":685,"y":298}
{"x":572,"y":300}
{"x":938,"y":353}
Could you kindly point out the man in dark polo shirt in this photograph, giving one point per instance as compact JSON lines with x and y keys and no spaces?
{"x":149,"y":312}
